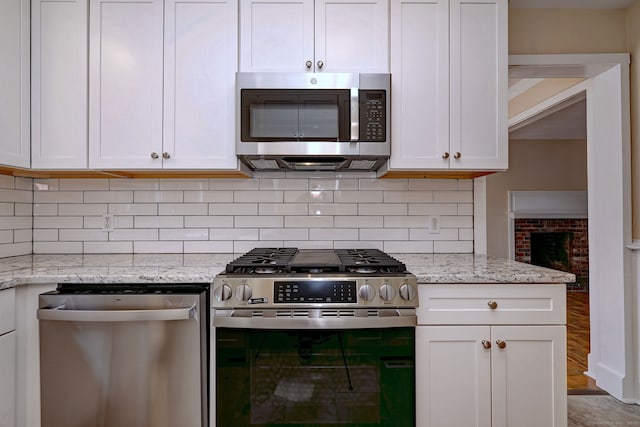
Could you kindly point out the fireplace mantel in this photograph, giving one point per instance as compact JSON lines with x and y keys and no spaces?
{"x":547,"y":204}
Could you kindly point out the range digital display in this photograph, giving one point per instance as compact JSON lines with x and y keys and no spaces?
{"x":315,"y":291}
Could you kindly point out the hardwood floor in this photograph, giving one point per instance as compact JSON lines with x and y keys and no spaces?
{"x":578,"y":344}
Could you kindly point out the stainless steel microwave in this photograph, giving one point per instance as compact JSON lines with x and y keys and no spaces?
{"x":313,"y":121}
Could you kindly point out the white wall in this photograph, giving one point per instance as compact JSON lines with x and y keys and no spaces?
{"x":15,"y":216}
{"x":305,"y":210}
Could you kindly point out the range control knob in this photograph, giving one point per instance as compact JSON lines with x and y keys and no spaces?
{"x":243,"y":292}
{"x":222,"y":292}
{"x":387,"y":293}
{"x":367,"y":292}
{"x":407,"y":292}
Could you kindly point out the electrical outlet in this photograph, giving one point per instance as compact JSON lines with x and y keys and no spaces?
{"x":434,"y":224}
{"x":107,"y":222}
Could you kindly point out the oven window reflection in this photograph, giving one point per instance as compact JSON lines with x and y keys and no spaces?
{"x":315,"y":377}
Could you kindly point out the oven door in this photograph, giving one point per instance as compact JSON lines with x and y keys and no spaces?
{"x":320,"y":377}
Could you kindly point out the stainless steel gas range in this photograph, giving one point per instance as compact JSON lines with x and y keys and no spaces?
{"x":315,"y":337}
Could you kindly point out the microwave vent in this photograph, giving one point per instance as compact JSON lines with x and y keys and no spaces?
{"x":362,"y":164}
{"x":261,"y":164}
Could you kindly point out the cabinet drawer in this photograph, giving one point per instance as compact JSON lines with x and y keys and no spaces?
{"x":513,"y":304}
{"x":7,"y":310}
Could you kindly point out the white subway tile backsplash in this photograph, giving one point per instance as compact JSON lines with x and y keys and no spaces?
{"x":208,"y":221}
{"x":54,"y":197}
{"x":234,"y":234}
{"x":158,"y":196}
{"x":208,"y":196}
{"x":384,"y":234}
{"x":284,"y":233}
{"x":184,"y":234}
{"x":461,"y":247}
{"x":382,"y":209}
{"x":309,"y":221}
{"x":158,"y":247}
{"x":183,"y":208}
{"x":208,"y":246}
{"x":408,"y":196}
{"x":283,"y":209}
{"x":301,"y":209}
{"x":108,"y":247}
{"x":15,"y":249}
{"x":259,"y":221}
{"x":262,"y":196}
{"x":158,"y":221}
{"x":108,"y":196}
{"x":333,"y":234}
{"x":233,"y":209}
{"x":333,"y":208}
{"x":308,"y":196}
{"x":358,"y":196}
{"x":408,"y":247}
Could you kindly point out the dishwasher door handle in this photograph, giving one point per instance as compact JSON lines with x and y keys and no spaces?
{"x":60,"y":314}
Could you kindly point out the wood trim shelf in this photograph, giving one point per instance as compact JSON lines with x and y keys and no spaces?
{"x":164,"y":173}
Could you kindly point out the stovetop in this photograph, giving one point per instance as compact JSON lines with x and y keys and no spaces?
{"x":314,"y":261}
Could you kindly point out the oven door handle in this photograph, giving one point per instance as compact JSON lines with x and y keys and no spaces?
{"x":61,"y":314}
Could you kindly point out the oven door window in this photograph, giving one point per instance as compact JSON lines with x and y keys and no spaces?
{"x":315,"y":377}
{"x":295,"y":115}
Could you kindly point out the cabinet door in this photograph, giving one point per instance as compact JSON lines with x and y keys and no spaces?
{"x":420,"y":84}
{"x":125,"y":83}
{"x":199,"y":83}
{"x":529,"y":385}
{"x":59,"y":74}
{"x":8,"y":379}
{"x":14,"y":83}
{"x":453,"y":376}
{"x":276,"y":35}
{"x":479,"y":99}
{"x":352,"y":36}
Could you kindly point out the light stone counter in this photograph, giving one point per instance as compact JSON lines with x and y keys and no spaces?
{"x":202,"y":268}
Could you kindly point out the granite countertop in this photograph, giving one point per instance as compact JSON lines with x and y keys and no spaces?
{"x":192,"y":268}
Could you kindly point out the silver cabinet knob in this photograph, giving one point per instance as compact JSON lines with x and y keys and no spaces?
{"x":407,"y":292}
{"x":387,"y":293}
{"x":457,"y":155}
{"x":308,"y":64}
{"x":243,"y":292}
{"x":222,"y":293}
{"x":367,"y":292}
{"x":320,"y":64}
{"x":166,"y":155}
{"x":154,"y":155}
{"x":445,"y":155}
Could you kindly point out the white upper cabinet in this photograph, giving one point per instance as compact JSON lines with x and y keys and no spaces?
{"x":303,"y":35}
{"x":59,"y":76}
{"x":161,"y":84}
{"x":200,"y":61}
{"x":125,"y":83}
{"x":14,"y":83}
{"x":449,"y":85}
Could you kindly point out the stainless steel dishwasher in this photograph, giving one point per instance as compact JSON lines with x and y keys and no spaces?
{"x":124,"y":355}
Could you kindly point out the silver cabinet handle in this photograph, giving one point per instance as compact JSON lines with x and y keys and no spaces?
{"x":320,"y":64}
{"x":308,"y":64}
{"x":154,"y":155}
{"x":166,"y":155}
{"x":59,"y":314}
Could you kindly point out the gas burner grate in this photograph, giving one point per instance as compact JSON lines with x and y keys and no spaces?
{"x":263,"y":261}
{"x":366,"y":261}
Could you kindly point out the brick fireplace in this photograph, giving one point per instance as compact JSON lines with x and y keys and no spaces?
{"x":562,"y":244}
{"x":550,"y":229}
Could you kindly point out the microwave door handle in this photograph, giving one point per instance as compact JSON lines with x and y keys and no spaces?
{"x":355,"y":115}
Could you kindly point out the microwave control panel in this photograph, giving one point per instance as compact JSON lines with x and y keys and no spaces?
{"x":373,"y":117}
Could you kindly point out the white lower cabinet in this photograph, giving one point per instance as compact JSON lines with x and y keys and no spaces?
{"x":474,"y":372}
{"x":7,"y":358}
